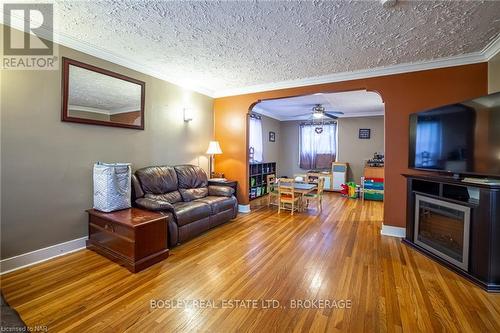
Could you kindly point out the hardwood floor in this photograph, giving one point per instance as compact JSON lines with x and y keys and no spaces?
{"x":338,"y":255}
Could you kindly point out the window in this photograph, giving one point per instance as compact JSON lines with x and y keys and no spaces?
{"x":317,"y":147}
{"x":255,"y":138}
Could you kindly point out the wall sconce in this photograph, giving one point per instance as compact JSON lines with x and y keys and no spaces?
{"x":188,"y":115}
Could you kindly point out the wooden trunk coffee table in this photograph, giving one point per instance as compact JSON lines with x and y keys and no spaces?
{"x":134,"y":238}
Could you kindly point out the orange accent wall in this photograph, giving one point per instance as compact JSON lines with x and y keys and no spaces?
{"x":402,"y":93}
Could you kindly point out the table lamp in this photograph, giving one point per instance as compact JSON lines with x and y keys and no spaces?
{"x":213,"y":149}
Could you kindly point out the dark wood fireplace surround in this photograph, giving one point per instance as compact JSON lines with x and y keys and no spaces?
{"x":484,"y":242}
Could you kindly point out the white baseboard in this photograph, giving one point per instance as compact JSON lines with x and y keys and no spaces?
{"x":389,"y":230}
{"x":34,"y":257}
{"x":243,"y":208}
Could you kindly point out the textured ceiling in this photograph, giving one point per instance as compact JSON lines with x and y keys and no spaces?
{"x":224,"y":45}
{"x":359,"y":103}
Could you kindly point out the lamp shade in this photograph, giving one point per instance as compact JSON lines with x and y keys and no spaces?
{"x":214,"y":148}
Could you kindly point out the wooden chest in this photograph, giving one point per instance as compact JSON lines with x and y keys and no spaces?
{"x":134,"y":238}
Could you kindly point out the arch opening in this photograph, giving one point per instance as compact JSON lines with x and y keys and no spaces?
{"x":359,"y":137}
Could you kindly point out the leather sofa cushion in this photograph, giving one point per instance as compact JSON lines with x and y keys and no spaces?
{"x":157,"y":179}
{"x":193,"y":182}
{"x":193,"y":193}
{"x":221,"y":218}
{"x":218,"y":204}
{"x":173,"y":232}
{"x":222,"y":191}
{"x":187,"y":212}
{"x":191,"y":176}
{"x":151,"y":204}
{"x":191,"y":230}
{"x":171,"y":197}
{"x":137,"y":191}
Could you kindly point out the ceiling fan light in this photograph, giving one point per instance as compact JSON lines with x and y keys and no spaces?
{"x":318,"y":108}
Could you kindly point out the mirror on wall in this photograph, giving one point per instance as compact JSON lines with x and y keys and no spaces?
{"x":93,"y":95}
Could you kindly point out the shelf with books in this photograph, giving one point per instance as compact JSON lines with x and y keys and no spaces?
{"x":258,"y":177}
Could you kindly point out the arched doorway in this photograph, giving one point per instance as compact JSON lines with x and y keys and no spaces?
{"x":355,"y":123}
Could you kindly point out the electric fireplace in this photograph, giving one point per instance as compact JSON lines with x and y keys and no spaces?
{"x":442,"y":227}
{"x":457,"y":223}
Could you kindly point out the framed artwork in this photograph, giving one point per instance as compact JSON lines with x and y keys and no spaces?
{"x":272,"y":137}
{"x":96,"y":96}
{"x":364,"y":133}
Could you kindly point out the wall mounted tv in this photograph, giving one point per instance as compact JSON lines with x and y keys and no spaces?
{"x":462,"y":138}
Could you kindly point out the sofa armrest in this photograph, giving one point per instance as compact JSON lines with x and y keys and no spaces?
{"x":220,"y":191}
{"x":156,"y":205}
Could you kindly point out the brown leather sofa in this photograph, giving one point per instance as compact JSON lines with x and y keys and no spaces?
{"x":183,"y":193}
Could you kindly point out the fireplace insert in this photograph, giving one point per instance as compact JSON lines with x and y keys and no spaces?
{"x":442,"y":227}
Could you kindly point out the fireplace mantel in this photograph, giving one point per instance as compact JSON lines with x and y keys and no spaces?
{"x":483,"y":240}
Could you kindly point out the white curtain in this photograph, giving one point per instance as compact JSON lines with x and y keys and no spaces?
{"x":429,"y":144}
{"x":318,"y":147}
{"x":255,"y":138}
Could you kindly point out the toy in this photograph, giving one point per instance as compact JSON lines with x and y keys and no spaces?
{"x":344,"y":190}
{"x":352,"y":192}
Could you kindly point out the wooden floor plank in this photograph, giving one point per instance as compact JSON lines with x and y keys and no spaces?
{"x":337,"y":254}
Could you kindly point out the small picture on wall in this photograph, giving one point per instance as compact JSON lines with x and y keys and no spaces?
{"x":272,"y":137}
{"x":364,"y":133}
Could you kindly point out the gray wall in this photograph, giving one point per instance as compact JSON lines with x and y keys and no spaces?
{"x":46,"y":164}
{"x":271,"y":150}
{"x":354,"y":150}
{"x":350,"y":148}
{"x":494,"y":74}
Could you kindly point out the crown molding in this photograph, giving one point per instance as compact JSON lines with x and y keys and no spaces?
{"x":100,"y":111}
{"x":492,"y":49}
{"x":357,"y":115}
{"x":484,"y":55}
{"x":263,"y":112}
{"x":269,"y":114}
{"x":97,"y":52}
{"x":63,"y":39}
{"x":466,"y":59}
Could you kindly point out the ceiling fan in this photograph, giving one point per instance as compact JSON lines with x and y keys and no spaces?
{"x":319,"y":111}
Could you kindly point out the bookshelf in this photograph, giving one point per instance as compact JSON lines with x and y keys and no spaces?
{"x":258,"y":177}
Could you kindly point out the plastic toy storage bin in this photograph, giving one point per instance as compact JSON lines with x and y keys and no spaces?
{"x":373,"y":195}
{"x":373,"y":186}
{"x":373,"y":189}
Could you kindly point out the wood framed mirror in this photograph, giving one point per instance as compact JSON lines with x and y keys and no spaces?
{"x":92,"y":95}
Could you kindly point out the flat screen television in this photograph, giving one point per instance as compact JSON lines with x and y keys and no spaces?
{"x":462,"y":138}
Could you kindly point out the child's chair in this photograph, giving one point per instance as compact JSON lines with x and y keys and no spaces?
{"x":317,"y":195}
{"x":286,"y":195}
